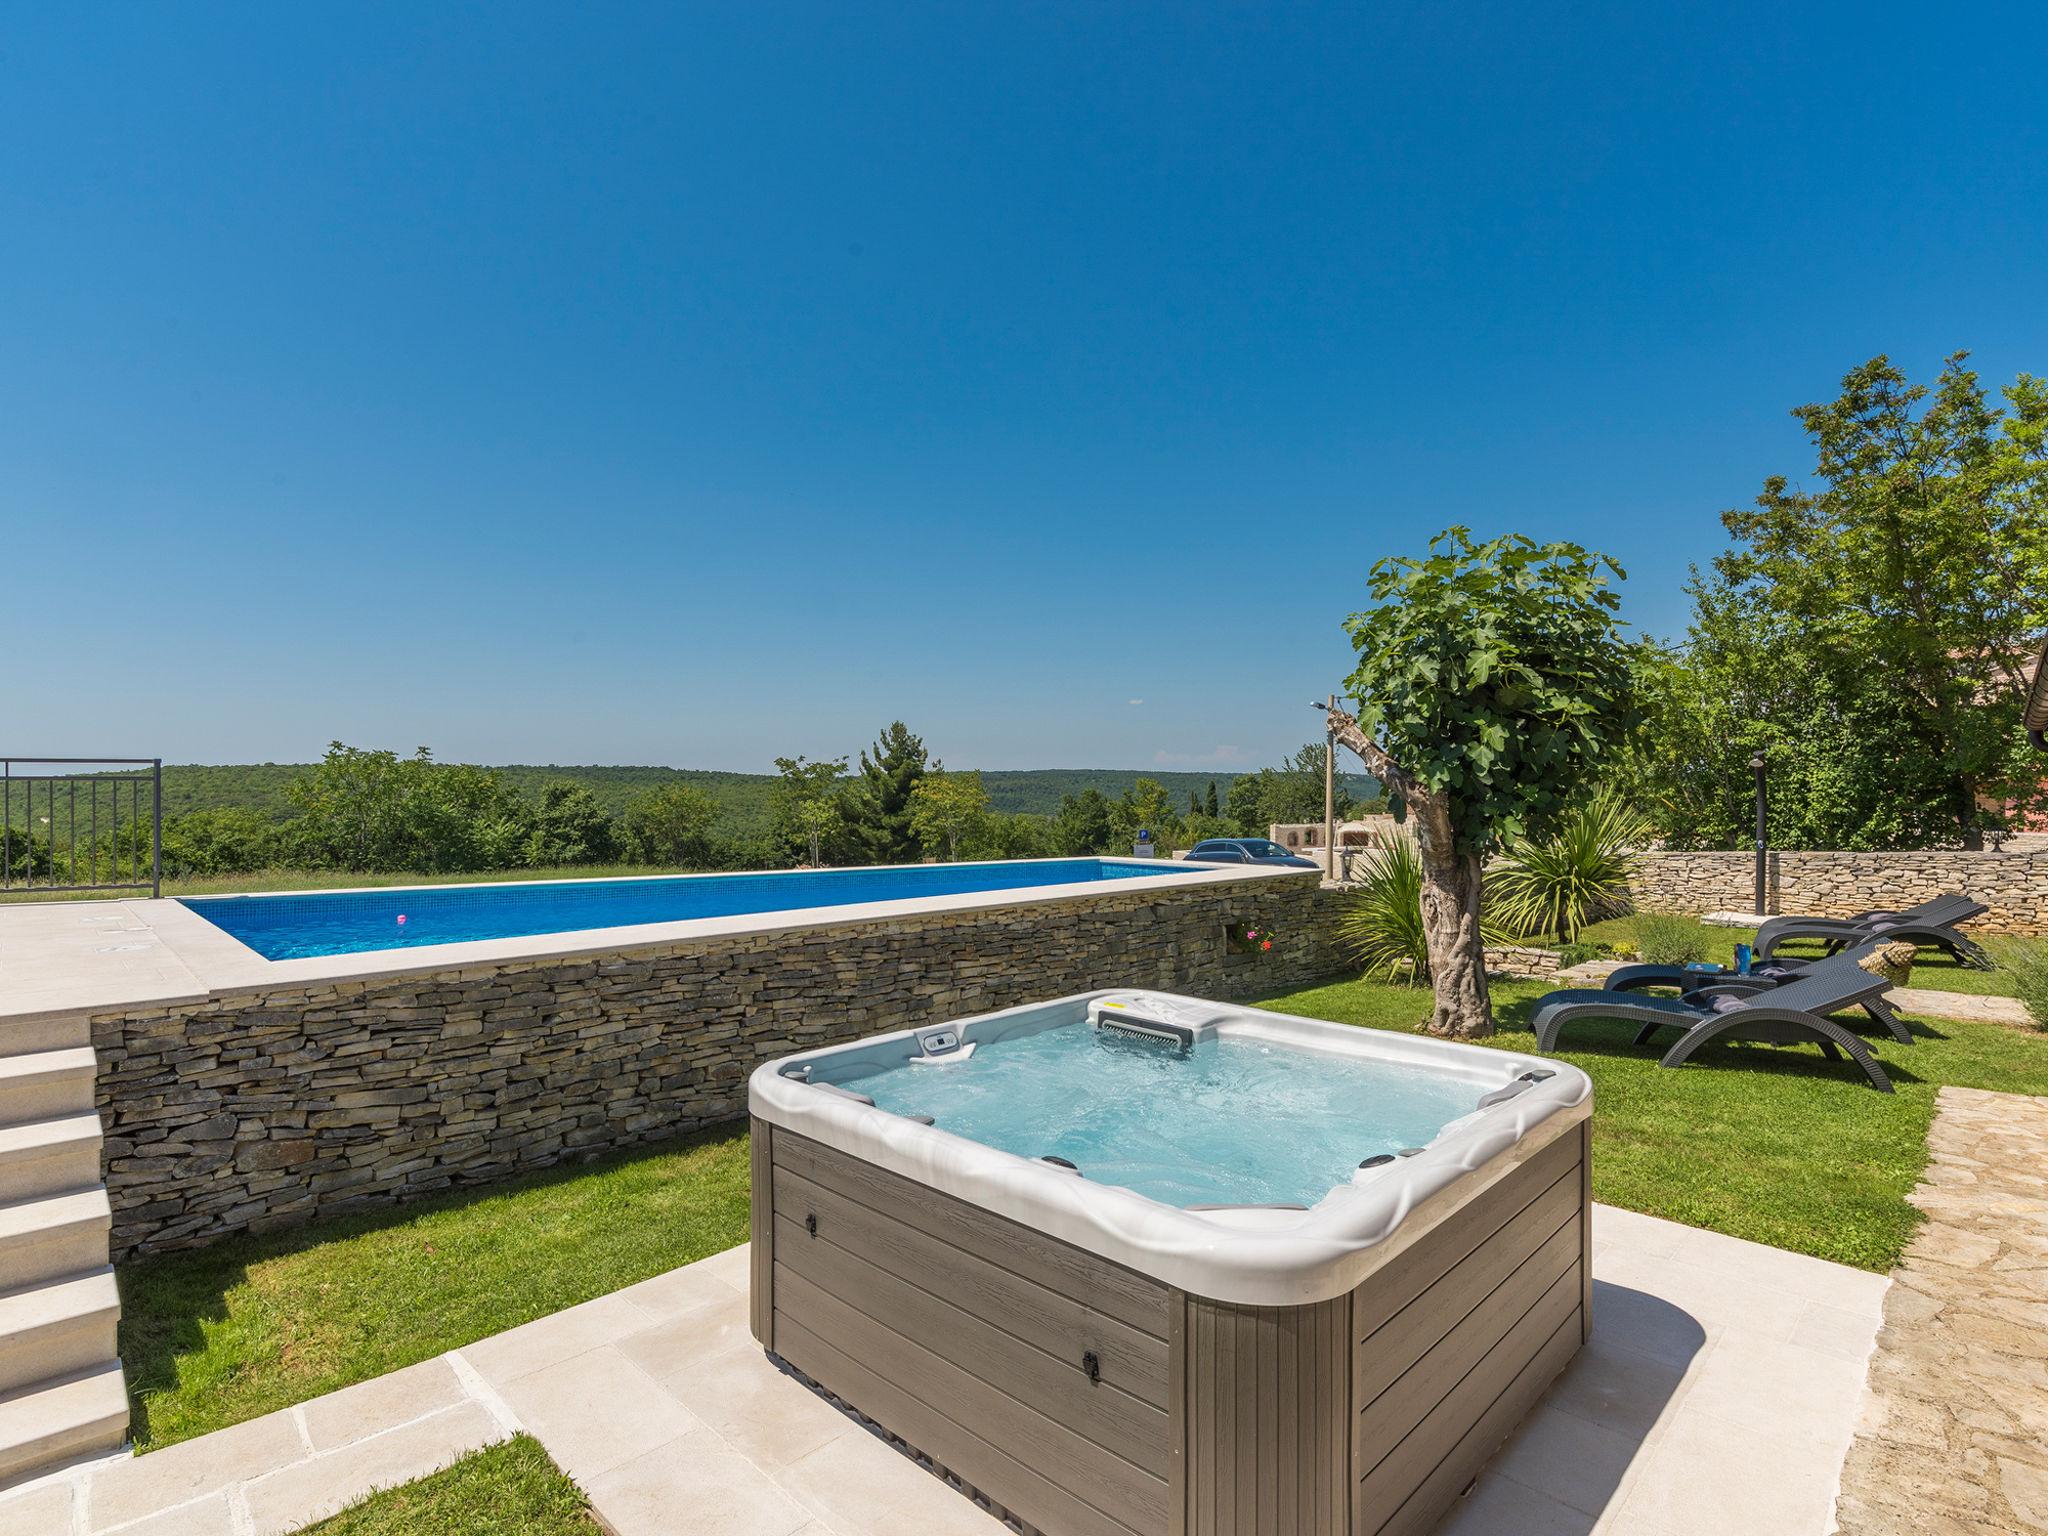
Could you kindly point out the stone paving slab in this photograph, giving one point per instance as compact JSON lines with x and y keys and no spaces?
{"x":1718,"y":1394}
{"x":1954,"y":1436}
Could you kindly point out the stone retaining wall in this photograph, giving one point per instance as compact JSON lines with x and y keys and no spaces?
{"x":2014,"y":885}
{"x":259,"y":1109}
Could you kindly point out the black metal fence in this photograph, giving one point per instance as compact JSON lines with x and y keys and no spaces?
{"x":81,"y":824}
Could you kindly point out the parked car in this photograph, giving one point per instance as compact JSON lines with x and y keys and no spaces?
{"x":1246,"y":850}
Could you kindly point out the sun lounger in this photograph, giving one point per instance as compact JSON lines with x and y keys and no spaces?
{"x":1760,"y":977}
{"x":1931,"y":925}
{"x":1793,"y":1013}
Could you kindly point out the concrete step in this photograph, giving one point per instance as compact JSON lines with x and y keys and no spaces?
{"x":29,"y":1032}
{"x":44,"y":1085}
{"x":49,"y":1157}
{"x":42,"y":1240}
{"x":50,"y":1423}
{"x":59,"y":1328}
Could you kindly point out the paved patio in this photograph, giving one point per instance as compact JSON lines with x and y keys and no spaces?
{"x":1719,"y":1394}
{"x":1954,"y":1437}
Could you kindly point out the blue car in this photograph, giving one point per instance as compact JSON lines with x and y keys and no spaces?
{"x":1246,"y":850}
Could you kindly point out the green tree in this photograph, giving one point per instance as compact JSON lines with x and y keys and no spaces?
{"x":672,"y":826}
{"x":1289,"y":793}
{"x":1209,"y":804}
{"x":1015,"y":835}
{"x":1867,"y":634}
{"x":805,"y":805}
{"x":1081,"y":825}
{"x":1145,"y":806}
{"x":368,"y":810}
{"x":947,"y":809}
{"x":1493,"y":686}
{"x":352,"y":807}
{"x":570,"y":827}
{"x":224,"y":841}
{"x":877,"y":806}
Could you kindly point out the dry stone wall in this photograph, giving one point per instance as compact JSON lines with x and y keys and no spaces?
{"x":255,"y":1110}
{"x":2014,"y":885}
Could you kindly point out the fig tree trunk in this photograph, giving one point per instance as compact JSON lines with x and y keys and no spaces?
{"x":1451,"y":888}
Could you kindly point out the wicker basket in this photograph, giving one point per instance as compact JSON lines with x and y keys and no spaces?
{"x":1894,"y":962}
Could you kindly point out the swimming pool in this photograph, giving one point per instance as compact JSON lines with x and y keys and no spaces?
{"x":1144,"y":1265}
{"x":292,"y":927}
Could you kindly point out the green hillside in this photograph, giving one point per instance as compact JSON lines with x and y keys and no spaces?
{"x":260,"y":787}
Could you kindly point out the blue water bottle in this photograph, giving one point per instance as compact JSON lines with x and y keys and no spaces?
{"x":1742,"y":959}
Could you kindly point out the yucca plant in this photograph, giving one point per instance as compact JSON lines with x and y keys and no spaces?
{"x":1382,"y":923}
{"x":1577,"y":875}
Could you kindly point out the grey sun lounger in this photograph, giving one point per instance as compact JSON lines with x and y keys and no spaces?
{"x":1760,"y":977}
{"x":1930,"y":925}
{"x":1791,"y":1014}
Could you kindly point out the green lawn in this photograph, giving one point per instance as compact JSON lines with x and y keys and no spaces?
{"x":225,"y":1333}
{"x":509,"y":1490}
{"x":1932,"y":970}
{"x":1774,"y":1145}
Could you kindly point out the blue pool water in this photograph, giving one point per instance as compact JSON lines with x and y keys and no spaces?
{"x":344,"y":922}
{"x":1231,"y":1122}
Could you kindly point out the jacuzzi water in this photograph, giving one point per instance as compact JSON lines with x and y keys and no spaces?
{"x":346,"y":922}
{"x":1230,"y":1122}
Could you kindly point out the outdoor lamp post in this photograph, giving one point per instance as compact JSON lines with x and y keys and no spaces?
{"x":1756,"y":766}
{"x":1329,"y":784}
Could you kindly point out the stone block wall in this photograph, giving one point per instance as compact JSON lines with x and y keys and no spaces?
{"x":2014,"y":885}
{"x":259,"y":1109}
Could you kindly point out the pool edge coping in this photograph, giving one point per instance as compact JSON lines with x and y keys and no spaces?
{"x":220,"y":965}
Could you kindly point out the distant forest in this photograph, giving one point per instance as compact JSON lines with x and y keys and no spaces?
{"x":371,"y":811}
{"x":745,"y":799}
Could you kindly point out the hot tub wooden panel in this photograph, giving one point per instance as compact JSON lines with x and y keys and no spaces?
{"x":1086,"y":1398}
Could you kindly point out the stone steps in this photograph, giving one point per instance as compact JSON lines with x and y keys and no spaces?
{"x":62,"y":1395}
{"x":57,"y":1329}
{"x":49,"y":1157}
{"x":60,"y":1421}
{"x":46,"y":1085}
{"x":44,"y":1032}
{"x":46,"y":1239}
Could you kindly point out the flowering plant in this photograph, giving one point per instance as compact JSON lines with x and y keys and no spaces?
{"x":1248,"y":938}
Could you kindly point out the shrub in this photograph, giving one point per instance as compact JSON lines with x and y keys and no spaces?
{"x":1382,"y":925}
{"x":2026,"y":961}
{"x":1667,"y":940}
{"x":1583,"y":950}
{"x":1575,"y":876}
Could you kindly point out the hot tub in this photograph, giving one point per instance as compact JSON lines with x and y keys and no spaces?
{"x":1125,"y":1262}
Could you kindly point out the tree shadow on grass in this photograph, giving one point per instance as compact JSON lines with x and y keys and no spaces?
{"x":170,"y":1301}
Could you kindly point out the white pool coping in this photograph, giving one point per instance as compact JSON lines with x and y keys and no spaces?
{"x":65,"y":956}
{"x":1248,"y":1255}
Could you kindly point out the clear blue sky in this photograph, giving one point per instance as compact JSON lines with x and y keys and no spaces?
{"x":696,"y":384}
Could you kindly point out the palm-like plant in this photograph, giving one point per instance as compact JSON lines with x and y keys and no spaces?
{"x":1382,"y":924}
{"x":1577,"y":875}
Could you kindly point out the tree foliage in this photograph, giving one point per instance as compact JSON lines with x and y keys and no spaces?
{"x":672,"y":826}
{"x":1289,"y":793}
{"x":807,"y":818}
{"x":947,"y":810}
{"x":1866,"y":634}
{"x":1493,"y":687}
{"x":877,"y":807}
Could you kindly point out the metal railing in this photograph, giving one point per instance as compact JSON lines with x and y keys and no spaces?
{"x":68,"y":821}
